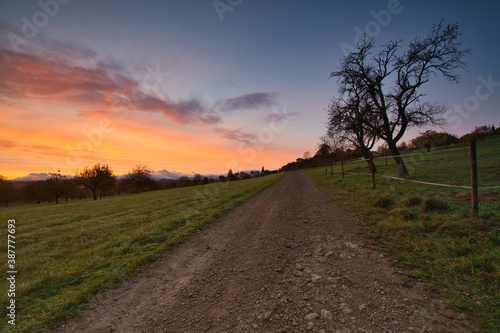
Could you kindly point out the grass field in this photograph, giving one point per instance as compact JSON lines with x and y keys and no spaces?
{"x":429,"y":229}
{"x":67,"y":252}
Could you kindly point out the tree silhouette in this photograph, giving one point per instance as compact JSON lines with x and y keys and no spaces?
{"x":391,"y":81}
{"x":94,"y":177}
{"x":34,"y":192}
{"x":55,"y":185}
{"x":8,"y":192}
{"x":432,"y":138}
{"x":197,"y":179}
{"x":139,"y":177}
{"x":348,"y":121}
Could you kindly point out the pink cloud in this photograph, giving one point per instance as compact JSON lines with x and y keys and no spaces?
{"x":249,"y":101}
{"x":36,"y":77}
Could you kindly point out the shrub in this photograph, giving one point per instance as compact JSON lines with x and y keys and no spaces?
{"x":413,"y":201}
{"x":435,"y":205}
{"x":384,"y":202}
{"x":406,"y":214}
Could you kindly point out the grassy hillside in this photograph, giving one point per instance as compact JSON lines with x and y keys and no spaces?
{"x":67,"y":252}
{"x":428,"y":229}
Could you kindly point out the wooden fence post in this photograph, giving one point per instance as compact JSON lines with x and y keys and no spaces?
{"x":342,"y":169}
{"x":473,"y":175}
{"x":371,"y":169}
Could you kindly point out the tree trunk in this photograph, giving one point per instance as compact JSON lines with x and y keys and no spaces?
{"x":403,"y":172}
{"x":94,"y":193}
{"x":366,"y":155}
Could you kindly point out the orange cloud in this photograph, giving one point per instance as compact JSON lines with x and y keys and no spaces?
{"x":35,"y":77}
{"x":43,"y":131}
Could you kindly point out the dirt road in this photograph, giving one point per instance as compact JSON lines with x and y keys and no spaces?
{"x":288,"y":260}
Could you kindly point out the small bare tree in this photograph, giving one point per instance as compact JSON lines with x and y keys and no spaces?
{"x":8,"y":192}
{"x":139,"y":177}
{"x":56,"y":185}
{"x":95,"y":177}
{"x":348,"y":118}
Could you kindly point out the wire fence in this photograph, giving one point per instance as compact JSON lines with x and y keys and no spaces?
{"x":450,"y":167}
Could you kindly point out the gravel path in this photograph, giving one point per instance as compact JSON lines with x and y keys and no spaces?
{"x":288,"y":260}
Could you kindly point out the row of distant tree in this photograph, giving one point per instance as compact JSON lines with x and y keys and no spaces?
{"x":330,"y":150}
{"x":99,"y":181}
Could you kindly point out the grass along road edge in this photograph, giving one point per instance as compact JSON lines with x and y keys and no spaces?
{"x":428,"y":231}
{"x":68,"y":252}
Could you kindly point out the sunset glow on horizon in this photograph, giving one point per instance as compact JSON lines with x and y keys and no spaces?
{"x":185,"y":89}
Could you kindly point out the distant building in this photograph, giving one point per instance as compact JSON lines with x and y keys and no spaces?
{"x":300,"y":160}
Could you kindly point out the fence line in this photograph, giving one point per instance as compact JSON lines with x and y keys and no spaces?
{"x":473,"y":162}
{"x":420,"y":182}
{"x":422,"y":153}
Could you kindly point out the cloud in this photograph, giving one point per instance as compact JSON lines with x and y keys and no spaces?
{"x":33,"y":76}
{"x":168,"y":174}
{"x":236,"y":135}
{"x":249,"y":102}
{"x":165,"y":174}
{"x":34,"y":177}
{"x":279,"y":117}
{"x":8,"y":144}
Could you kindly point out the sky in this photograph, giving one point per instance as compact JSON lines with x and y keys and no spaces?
{"x":203,"y":86}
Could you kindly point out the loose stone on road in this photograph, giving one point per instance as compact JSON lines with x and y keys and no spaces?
{"x":287,"y":260}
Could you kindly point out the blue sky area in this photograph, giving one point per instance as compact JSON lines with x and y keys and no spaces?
{"x":236,"y":65}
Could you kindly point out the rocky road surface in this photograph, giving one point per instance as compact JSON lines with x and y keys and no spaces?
{"x":288,"y":260}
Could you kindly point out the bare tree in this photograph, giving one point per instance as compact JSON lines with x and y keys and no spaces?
{"x":139,"y":177}
{"x":197,"y":179}
{"x":8,"y":192}
{"x":107,"y":185}
{"x":55,"y":185}
{"x":392,"y":79}
{"x":230,"y":175}
{"x":306,"y":155}
{"x":348,"y":121}
{"x":34,"y":192}
{"x":184,"y":181}
{"x":336,"y":144}
{"x":93,"y":178}
{"x":324,"y":150}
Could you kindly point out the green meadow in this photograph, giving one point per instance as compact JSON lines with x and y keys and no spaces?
{"x":67,"y":252}
{"x":428,"y":230}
